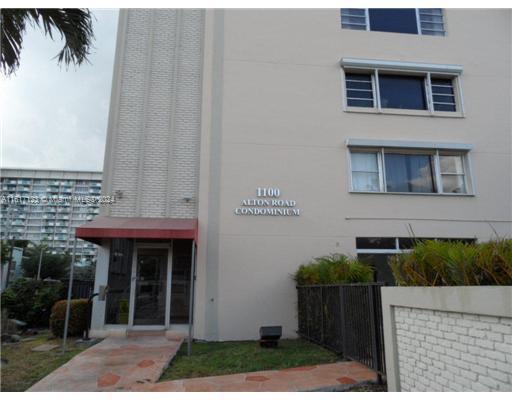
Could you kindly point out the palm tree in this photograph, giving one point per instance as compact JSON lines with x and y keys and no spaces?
{"x":73,"y":24}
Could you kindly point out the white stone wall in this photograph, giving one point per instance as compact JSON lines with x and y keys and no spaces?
{"x":152,"y":154}
{"x":449,"y":351}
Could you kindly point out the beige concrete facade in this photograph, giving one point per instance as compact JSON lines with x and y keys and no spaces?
{"x":272,"y":115}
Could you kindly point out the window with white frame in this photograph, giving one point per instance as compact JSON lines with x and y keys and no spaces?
{"x":360,"y":92}
{"x":423,"y":21}
{"x":443,"y":95}
{"x":394,"y":245}
{"x":394,"y":88}
{"x":451,"y":170}
{"x":409,"y":170}
{"x":365,"y":172}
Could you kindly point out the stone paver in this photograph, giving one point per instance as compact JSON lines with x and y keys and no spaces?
{"x":45,"y":347}
{"x":308,"y":378}
{"x":113,"y":364}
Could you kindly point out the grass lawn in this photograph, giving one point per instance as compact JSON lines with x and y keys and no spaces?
{"x":25,"y":367}
{"x":221,"y":358}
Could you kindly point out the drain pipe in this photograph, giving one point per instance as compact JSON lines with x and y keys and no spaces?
{"x":86,"y":337}
{"x":191,"y":300}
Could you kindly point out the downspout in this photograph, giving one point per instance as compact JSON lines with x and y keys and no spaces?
{"x":191,"y":300}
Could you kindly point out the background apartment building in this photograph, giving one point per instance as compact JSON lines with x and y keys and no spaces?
{"x":269,"y":137}
{"x":51,"y":222}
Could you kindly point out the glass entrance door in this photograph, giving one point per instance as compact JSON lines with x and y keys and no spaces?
{"x":150,"y":287}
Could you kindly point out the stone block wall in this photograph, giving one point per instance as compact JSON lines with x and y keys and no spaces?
{"x":443,"y":351}
{"x":452,"y":338}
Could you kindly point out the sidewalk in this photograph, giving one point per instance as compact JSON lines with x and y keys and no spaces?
{"x":308,"y":378}
{"x":113,"y":364}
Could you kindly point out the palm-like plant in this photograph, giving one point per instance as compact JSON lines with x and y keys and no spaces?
{"x":73,"y":24}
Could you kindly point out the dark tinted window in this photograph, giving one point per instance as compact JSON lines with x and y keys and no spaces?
{"x":180,"y":290}
{"x":375,"y":243}
{"x":405,"y":92}
{"x":401,"y":20}
{"x":409,"y":243}
{"x":119,"y":281}
{"x":380,"y":264}
{"x":409,"y":173}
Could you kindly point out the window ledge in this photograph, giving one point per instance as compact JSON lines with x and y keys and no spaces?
{"x":417,"y":194}
{"x":416,"y":113}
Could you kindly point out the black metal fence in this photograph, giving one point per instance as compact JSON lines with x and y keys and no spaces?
{"x":81,"y":289}
{"x":346,"y":319}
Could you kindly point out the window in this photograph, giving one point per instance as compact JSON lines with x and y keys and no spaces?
{"x":376,"y":243}
{"x":359,"y":90}
{"x":408,"y":170}
{"x":402,"y":91}
{"x":431,"y":21}
{"x":443,"y":96}
{"x":375,"y":251}
{"x":423,"y":21}
{"x":353,"y":18}
{"x":452,"y":173}
{"x":365,"y":172}
{"x":389,"y":86}
{"x":119,"y":280}
{"x":400,"y":20}
{"x":411,"y":173}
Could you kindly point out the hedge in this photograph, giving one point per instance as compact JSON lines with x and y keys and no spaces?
{"x":30,"y":300}
{"x":332,"y":269}
{"x":438,"y":263}
{"x":79,"y":313}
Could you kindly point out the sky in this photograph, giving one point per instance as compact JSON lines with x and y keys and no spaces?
{"x":53,"y":117}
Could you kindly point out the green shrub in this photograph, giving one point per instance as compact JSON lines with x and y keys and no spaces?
{"x":78,"y":315}
{"x":30,"y":300}
{"x":335,"y":268}
{"x":438,"y":263}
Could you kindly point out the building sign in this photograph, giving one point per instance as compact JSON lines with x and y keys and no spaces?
{"x":268,"y":202}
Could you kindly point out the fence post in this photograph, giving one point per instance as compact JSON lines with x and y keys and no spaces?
{"x":373,"y":326}
{"x":322,"y":315}
{"x":342,"y":322}
{"x":308,"y":295}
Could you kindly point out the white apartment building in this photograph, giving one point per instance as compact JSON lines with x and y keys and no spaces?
{"x":247,"y":142}
{"x":30,"y":209}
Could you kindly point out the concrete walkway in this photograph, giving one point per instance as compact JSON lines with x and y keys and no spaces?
{"x":113,"y":364}
{"x":326,"y":377}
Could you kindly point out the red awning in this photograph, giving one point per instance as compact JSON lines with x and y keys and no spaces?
{"x":137,"y":228}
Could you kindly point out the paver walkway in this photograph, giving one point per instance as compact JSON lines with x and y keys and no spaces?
{"x":309,"y":378}
{"x":113,"y":364}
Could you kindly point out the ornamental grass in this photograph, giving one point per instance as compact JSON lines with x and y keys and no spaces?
{"x":440,"y":263}
{"x":333,"y":269}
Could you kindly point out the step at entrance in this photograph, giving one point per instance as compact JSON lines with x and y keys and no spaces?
{"x":139,"y":333}
{"x":168,"y":334}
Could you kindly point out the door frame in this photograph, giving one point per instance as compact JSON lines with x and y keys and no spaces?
{"x":133,"y":285}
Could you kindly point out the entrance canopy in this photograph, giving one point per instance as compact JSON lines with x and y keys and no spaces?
{"x":137,"y":228}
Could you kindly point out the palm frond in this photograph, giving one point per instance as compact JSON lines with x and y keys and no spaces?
{"x":74,"y":25}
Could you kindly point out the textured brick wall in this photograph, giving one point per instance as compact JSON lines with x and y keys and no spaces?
{"x":446,"y":351}
{"x":157,"y":128}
